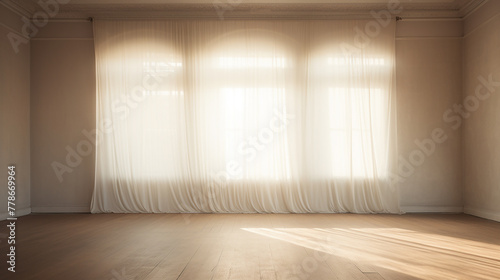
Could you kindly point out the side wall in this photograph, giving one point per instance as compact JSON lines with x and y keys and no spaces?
{"x":14,"y":111}
{"x":429,"y":56}
{"x":482,"y":125}
{"x":429,"y":72}
{"x":62,"y":110}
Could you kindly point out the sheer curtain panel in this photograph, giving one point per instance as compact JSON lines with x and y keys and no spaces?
{"x":245,"y":116}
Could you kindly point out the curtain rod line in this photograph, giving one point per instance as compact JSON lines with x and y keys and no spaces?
{"x":397,"y":18}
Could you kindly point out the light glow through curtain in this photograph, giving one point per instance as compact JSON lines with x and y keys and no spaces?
{"x":244,"y":116}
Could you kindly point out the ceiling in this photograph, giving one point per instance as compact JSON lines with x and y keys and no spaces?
{"x":248,"y":8}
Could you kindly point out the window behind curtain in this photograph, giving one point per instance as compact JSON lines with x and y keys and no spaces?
{"x":244,"y":116}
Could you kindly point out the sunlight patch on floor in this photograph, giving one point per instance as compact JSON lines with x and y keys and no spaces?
{"x":418,"y":254}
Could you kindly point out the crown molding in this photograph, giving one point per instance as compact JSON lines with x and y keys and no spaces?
{"x":471,"y":7}
{"x":22,"y":8}
{"x":210,"y":11}
{"x":272,"y":9}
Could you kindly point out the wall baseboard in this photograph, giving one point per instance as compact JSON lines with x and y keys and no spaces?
{"x":483,"y":213}
{"x":61,"y":209}
{"x":432,"y":209}
{"x":19,"y":213}
{"x":408,"y":209}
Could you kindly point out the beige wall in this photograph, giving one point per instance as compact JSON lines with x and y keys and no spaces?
{"x":63,"y":105}
{"x":62,"y":108}
{"x":482,"y":128}
{"x":14,"y":113}
{"x":429,"y":72}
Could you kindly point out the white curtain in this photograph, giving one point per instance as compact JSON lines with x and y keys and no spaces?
{"x":245,"y":116}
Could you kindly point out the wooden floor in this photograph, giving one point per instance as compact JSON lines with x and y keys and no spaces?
{"x":253,"y":246}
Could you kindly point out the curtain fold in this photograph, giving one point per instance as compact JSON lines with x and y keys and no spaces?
{"x":245,"y":116}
